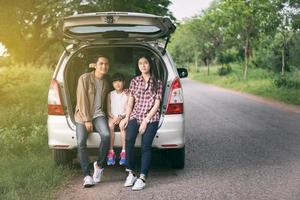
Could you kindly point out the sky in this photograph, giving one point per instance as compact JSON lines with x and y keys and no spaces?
{"x":181,"y":9}
{"x":187,"y":8}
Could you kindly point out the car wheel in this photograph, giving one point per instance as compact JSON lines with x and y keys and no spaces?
{"x":177,"y":157}
{"x":63,"y":156}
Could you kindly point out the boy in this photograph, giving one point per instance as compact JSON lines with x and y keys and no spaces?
{"x":116,"y":105}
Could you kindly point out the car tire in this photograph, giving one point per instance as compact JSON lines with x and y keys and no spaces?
{"x":177,"y":157}
{"x":63,"y":157}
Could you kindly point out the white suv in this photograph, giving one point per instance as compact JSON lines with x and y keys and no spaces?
{"x":122,"y":37}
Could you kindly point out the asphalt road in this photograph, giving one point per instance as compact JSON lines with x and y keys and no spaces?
{"x":237,"y":147}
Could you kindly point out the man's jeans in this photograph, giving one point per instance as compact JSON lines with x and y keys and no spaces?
{"x":100,"y":126}
{"x":147,"y":139}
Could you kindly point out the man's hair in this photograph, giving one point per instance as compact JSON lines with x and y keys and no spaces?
{"x":117,"y":77}
{"x":101,"y":56}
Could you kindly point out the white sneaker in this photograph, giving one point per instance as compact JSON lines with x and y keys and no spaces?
{"x":139,"y":184}
{"x":130,"y":180}
{"x":97,"y":173}
{"x":88,"y":181}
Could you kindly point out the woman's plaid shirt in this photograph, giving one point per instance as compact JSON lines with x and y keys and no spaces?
{"x":144,"y":98}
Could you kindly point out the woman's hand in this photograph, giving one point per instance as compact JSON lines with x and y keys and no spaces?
{"x":88,"y":126}
{"x":143,"y":126}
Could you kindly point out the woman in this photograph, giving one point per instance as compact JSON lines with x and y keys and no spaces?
{"x":142,"y":117}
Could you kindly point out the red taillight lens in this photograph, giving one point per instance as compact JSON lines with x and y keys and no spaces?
{"x":175,"y":101}
{"x":176,"y":108}
{"x":54,"y":101}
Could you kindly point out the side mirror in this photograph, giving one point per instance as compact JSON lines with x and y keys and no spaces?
{"x":182,"y":72}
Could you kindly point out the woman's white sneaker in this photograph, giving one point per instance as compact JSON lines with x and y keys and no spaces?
{"x":130,"y":180}
{"x":97,"y":173}
{"x":88,"y":181}
{"x":139,"y":184}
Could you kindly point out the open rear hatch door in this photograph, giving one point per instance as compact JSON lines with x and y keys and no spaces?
{"x":105,"y":27}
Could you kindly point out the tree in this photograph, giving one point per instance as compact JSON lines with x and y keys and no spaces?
{"x":284,"y":29}
{"x":182,"y":45}
{"x":32,"y":26}
{"x":207,"y":36}
{"x":295,"y":15}
{"x":245,"y":20}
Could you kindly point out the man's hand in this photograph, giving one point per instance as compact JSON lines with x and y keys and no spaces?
{"x":92,"y":65}
{"x":88,"y":126}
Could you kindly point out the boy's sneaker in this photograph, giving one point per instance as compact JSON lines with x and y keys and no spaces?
{"x":122,"y":158}
{"x":111,"y":158}
{"x":130,"y":180}
{"x":97,"y":173}
{"x":139,"y":184}
{"x":88,"y":182}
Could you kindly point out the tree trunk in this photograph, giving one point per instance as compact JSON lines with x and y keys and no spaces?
{"x":208,"y":69}
{"x":283,"y":59}
{"x":247,"y":55}
{"x":207,"y":65}
{"x":196,"y":62}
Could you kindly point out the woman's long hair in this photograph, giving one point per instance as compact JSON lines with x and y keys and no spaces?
{"x":152,"y":74}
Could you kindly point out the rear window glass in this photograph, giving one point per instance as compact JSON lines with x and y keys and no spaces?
{"x":103,"y":29}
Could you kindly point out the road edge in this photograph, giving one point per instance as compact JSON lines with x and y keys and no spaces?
{"x":275,"y":103}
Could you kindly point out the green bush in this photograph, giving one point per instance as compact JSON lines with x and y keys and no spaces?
{"x":27,"y":168}
{"x":284,"y":81}
{"x":224,"y":70}
{"x":227,"y":56}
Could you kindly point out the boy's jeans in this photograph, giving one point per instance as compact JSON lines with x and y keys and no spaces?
{"x":100,"y":126}
{"x":146,"y":145}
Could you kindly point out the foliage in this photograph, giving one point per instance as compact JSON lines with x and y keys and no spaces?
{"x":27,"y":168}
{"x":182,"y":45}
{"x":208,"y":37}
{"x":31,"y":27}
{"x":246,"y":20}
{"x":294,"y":49}
{"x":268,"y":54}
{"x":263,"y":34}
{"x":224,"y":70}
{"x":295,"y":16}
{"x":285,"y":81}
{"x":260,"y":82}
{"x":227,"y":56}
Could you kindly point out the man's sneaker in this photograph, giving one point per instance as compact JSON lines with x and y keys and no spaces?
{"x":97,"y":173}
{"x":139,"y":184}
{"x":111,"y":158}
{"x":88,"y":181}
{"x":130,"y":180}
{"x":122,"y":158}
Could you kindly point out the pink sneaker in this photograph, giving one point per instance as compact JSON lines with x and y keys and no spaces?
{"x":111,"y":158}
{"x":122,"y":158}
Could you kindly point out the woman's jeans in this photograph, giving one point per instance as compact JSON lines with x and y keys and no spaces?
{"x":100,"y":126}
{"x":147,"y":139}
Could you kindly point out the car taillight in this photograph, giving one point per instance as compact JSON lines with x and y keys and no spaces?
{"x":175,"y":100}
{"x":54,"y":101}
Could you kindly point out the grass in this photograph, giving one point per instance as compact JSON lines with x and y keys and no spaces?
{"x":260,"y":82}
{"x":27,"y":168}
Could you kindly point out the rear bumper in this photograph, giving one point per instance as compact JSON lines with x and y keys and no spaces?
{"x":169,"y":135}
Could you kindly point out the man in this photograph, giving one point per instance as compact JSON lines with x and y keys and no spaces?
{"x":92,"y":92}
